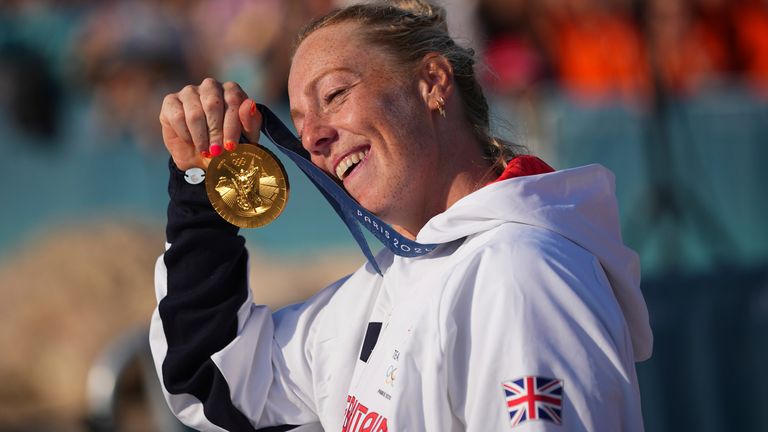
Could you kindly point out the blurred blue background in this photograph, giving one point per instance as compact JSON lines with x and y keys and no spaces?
{"x":671,"y":95}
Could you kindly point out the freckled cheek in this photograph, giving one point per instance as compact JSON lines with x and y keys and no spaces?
{"x":357,"y":114}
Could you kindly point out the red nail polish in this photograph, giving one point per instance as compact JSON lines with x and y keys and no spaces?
{"x":253,"y":109}
{"x":206,"y":154}
{"x":230,"y":145}
{"x":215,"y":150}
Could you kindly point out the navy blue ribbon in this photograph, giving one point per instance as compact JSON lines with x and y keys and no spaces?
{"x":346,"y":207}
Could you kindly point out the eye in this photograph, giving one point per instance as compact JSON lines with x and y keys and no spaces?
{"x":333,"y":94}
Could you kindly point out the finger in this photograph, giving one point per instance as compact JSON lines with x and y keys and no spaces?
{"x":212,"y":101}
{"x":173,"y":120}
{"x":233,"y":97}
{"x":176,"y":135}
{"x":195,"y":117}
{"x":250,"y":118}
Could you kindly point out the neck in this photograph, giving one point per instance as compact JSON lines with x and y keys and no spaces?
{"x":460,"y":170}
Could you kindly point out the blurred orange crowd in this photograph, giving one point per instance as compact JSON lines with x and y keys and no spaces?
{"x":630,"y":49}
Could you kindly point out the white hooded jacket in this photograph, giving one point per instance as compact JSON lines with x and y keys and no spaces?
{"x":528,"y":316}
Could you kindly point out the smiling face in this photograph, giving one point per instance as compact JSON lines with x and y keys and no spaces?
{"x":367,"y":122}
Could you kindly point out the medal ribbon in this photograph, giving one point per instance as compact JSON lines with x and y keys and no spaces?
{"x":346,"y":207}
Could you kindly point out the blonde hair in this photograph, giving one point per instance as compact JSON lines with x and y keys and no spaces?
{"x":411,"y":29}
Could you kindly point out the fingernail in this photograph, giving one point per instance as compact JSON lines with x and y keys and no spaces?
{"x":253,"y":108}
{"x":206,"y":154}
{"x":230,"y":145}
{"x":215,"y":150}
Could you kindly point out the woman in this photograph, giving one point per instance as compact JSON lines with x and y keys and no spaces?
{"x":528,"y":313}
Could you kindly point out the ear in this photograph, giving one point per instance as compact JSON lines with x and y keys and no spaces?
{"x":435,"y":79}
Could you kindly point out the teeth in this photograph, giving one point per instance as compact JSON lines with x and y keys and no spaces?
{"x":347,"y":162}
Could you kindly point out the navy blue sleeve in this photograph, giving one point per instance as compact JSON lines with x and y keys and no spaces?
{"x":207,"y":282}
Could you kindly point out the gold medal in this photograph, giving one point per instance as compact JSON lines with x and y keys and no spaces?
{"x":248,"y":187}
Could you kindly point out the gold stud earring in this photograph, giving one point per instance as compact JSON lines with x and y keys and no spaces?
{"x":441,"y":106}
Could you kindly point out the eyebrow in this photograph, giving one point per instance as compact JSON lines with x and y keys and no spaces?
{"x":313,"y":82}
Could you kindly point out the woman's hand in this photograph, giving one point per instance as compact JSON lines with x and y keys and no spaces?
{"x":201,"y":121}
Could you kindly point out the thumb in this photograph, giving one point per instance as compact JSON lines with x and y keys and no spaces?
{"x":250,"y":117}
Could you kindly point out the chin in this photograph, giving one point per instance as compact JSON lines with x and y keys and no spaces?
{"x":371,"y":207}
{"x":374,"y":206}
{"x":384,"y":207}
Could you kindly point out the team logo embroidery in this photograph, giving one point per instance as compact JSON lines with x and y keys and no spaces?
{"x":390,"y":375}
{"x":534,"y":398}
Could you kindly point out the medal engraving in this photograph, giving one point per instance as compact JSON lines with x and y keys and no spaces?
{"x":248,"y":187}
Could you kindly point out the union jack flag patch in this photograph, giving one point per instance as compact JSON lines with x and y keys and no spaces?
{"x":534,"y":398}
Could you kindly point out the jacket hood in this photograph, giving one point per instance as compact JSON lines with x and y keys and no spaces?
{"x":578,"y":204}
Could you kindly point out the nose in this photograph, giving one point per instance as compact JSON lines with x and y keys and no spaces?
{"x":318,"y":136}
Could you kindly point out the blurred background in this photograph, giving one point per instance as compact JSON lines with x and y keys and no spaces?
{"x":672,"y":95}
